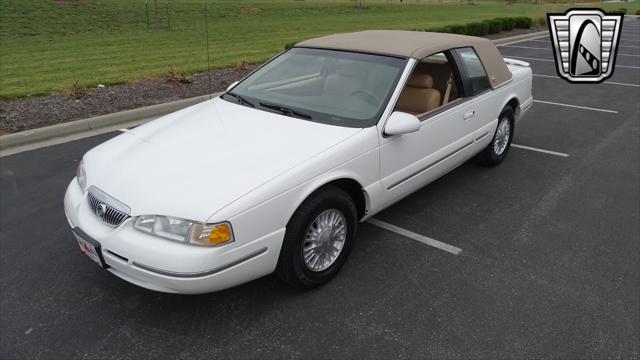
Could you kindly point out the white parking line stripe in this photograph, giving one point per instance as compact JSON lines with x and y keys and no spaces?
{"x":622,"y":84}
{"x":620,"y":46}
{"x":525,"y":47}
{"x":549,"y":49}
{"x":547,"y":60}
{"x":575,"y":106}
{"x":627,"y":67}
{"x":540,"y":150}
{"x":529,"y":58}
{"x":519,"y":41}
{"x":417,"y":237}
{"x":604,"y":82}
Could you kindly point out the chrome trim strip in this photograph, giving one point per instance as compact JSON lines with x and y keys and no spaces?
{"x":202,"y":273}
{"x":448,"y":106}
{"x":429,"y":166}
{"x":482,"y":137}
{"x":523,"y":109}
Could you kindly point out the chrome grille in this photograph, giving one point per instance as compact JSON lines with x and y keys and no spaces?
{"x":101,"y":205}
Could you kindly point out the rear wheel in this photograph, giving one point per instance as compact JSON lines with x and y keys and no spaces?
{"x":318,"y":239}
{"x":499,"y":146}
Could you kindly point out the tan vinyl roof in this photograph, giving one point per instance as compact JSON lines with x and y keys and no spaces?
{"x":417,"y":45}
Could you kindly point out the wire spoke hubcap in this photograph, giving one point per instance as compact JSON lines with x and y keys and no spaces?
{"x":502,"y":137}
{"x":324,"y":240}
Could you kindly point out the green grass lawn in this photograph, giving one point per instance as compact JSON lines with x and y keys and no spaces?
{"x":45,"y":45}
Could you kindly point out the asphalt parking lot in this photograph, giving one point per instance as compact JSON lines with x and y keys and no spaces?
{"x":549,"y":263}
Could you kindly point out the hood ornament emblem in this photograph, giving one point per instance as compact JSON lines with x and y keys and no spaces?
{"x":101,"y":210}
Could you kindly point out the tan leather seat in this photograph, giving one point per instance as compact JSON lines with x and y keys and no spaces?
{"x":418,"y":96}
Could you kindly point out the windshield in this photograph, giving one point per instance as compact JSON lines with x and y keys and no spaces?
{"x":326,"y":86}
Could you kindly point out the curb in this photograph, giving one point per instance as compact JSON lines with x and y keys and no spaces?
{"x":9,"y":142}
{"x":522,"y":37}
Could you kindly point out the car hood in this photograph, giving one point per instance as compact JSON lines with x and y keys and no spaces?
{"x":194,"y":162}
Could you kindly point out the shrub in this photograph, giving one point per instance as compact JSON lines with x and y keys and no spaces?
{"x":458,"y":29}
{"x":498,"y":21}
{"x":439,"y":29}
{"x":621,"y":11}
{"x":242,"y":64}
{"x":522,"y":22}
{"x":75,"y":90}
{"x":541,"y":21}
{"x":638,"y":12}
{"x":477,"y":29}
{"x":288,"y":46}
{"x":493,"y":26}
{"x":176,"y":75}
{"x":507,"y":24}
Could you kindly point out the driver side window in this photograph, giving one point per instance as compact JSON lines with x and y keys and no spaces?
{"x":430,"y":86}
{"x":475,"y":70}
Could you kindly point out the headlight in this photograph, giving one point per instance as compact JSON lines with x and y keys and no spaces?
{"x":185,"y":231}
{"x":81,"y":175}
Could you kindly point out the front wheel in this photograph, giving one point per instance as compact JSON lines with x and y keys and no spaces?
{"x":318,"y":240}
{"x":499,"y":146}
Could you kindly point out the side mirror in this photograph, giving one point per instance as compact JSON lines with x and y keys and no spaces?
{"x":401,"y":123}
{"x":232,"y":85}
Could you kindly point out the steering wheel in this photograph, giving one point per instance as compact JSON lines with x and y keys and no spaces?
{"x":368,"y":96}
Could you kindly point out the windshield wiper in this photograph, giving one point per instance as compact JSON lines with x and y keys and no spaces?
{"x":286,"y":111}
{"x":240,"y":99}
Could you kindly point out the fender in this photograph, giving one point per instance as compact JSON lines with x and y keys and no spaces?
{"x":303,"y":191}
{"x":318,"y":183}
{"x":512,"y":96}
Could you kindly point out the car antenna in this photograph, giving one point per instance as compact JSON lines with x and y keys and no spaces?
{"x":206,"y":29}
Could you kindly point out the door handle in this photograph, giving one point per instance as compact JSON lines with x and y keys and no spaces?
{"x":469,"y":114}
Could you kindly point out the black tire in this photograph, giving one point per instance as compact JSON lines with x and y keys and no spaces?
{"x":489,"y":156}
{"x":291,"y":267}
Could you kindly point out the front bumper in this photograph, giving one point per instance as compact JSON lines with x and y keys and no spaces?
{"x":168,"y":266}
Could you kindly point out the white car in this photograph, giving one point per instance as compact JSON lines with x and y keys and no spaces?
{"x":276,"y":173}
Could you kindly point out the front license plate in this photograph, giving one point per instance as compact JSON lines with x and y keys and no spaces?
{"x":89,"y":247}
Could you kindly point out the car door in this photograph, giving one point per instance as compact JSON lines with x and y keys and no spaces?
{"x":480,"y":110}
{"x":444,"y":140}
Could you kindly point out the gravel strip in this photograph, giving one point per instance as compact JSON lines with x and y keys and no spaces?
{"x":34,"y":112}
